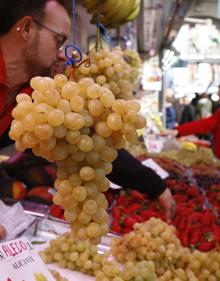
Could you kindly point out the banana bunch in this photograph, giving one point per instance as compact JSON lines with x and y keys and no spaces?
{"x":189,"y":146}
{"x":113,"y":12}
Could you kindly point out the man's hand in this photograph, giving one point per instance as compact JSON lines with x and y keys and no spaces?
{"x":170,"y":132}
{"x":168,"y":203}
{"x":3,"y":232}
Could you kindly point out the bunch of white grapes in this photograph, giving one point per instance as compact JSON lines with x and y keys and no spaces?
{"x":109,"y":69}
{"x":152,"y":241}
{"x":79,"y":126}
{"x":156,"y":241}
{"x":151,"y":252}
{"x":71,"y":253}
{"x":133,"y":59}
{"x":82,"y":256}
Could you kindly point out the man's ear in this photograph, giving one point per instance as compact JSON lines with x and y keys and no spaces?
{"x":25,"y":27}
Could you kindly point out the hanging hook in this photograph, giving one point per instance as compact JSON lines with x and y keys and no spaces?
{"x":72,"y":52}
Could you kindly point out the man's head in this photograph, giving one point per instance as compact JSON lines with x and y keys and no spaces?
{"x":39,"y":28}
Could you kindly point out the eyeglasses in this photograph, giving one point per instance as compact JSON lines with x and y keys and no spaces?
{"x":61,"y":39}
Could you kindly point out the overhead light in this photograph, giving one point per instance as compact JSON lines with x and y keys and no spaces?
{"x":215,"y":97}
{"x":195,"y":20}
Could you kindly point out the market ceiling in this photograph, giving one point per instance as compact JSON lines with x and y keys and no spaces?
{"x":204,"y":8}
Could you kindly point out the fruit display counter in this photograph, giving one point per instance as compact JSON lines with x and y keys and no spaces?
{"x":79,"y":125}
{"x":151,"y":251}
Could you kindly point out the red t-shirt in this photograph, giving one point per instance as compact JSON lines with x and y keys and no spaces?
{"x":6,"y":105}
{"x":205,"y":125}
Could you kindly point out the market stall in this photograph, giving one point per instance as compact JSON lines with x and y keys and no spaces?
{"x":57,"y":200}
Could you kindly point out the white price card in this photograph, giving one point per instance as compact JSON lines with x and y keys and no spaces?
{"x":19,"y":262}
{"x":150,"y":163}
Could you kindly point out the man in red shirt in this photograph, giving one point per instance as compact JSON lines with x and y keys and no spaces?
{"x":32,"y":34}
{"x":202,"y":126}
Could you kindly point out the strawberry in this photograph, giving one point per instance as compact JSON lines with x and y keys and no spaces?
{"x":116,"y":227}
{"x":147,"y":214}
{"x":207,"y":219}
{"x":216,"y":232}
{"x":123,"y":199}
{"x":116,"y":212}
{"x":182,"y":223}
{"x":184,"y":238}
{"x":132,"y":208}
{"x":195,"y":218}
{"x":206,"y":246}
{"x":195,"y":236}
{"x":55,"y":211}
{"x":138,"y":218}
{"x":192,"y":192}
{"x":62,"y":217}
{"x":137,"y":195}
{"x":128,"y":222}
{"x":126,"y":230}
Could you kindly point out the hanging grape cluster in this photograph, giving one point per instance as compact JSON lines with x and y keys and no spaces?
{"x":109,"y":69}
{"x":79,"y":126}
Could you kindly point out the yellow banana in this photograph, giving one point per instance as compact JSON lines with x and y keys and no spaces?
{"x":107,"y":7}
{"x":189,"y":146}
{"x":123,"y":11}
{"x":136,"y":4}
{"x":135,"y":11}
{"x":133,"y":15}
{"x":116,"y":6}
{"x":88,"y":4}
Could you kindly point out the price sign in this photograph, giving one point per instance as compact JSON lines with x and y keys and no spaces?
{"x":153,"y":146}
{"x":150,"y":163}
{"x":19,"y":262}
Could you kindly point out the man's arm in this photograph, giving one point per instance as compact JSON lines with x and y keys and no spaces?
{"x":204,"y":125}
{"x":129,"y":172}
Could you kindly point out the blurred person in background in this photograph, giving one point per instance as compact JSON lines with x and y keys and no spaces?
{"x":189,"y":111}
{"x":170,"y":110}
{"x":178,"y":105}
{"x":204,"y":106}
{"x":32,"y":37}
